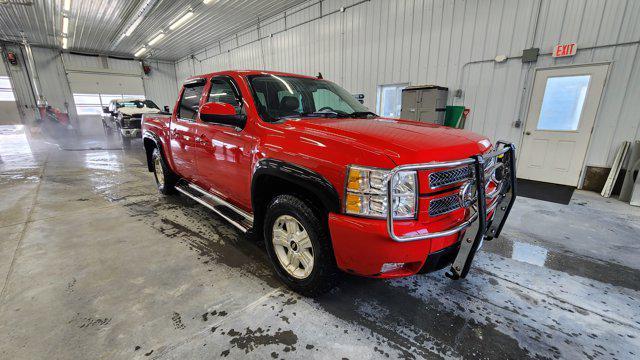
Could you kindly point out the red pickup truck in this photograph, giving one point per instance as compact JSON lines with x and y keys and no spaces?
{"x":328,"y":184}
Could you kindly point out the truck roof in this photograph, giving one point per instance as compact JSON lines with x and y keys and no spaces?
{"x":247,"y":73}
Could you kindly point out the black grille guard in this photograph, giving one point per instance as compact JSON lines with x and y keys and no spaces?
{"x":477,"y":229}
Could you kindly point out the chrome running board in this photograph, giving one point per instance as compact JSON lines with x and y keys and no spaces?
{"x":237,"y":217}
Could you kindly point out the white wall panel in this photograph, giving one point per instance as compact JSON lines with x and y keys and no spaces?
{"x":451,"y":43}
{"x":25,"y":98}
{"x":53,"y":79}
{"x":160,"y":86}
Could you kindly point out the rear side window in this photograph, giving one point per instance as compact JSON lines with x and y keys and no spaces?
{"x":190,"y":101}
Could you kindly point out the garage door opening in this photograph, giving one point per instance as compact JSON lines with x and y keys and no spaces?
{"x":9,"y":114}
{"x":92,"y":92}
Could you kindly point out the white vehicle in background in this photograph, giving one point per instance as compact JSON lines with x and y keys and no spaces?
{"x":123,"y":116}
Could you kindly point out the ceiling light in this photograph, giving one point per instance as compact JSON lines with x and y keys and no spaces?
{"x":207,"y":1}
{"x":133,"y":27}
{"x":65,"y":43}
{"x":156,"y":39}
{"x":181,"y":21}
{"x":67,"y":5}
{"x":140,"y":52}
{"x":65,"y":25}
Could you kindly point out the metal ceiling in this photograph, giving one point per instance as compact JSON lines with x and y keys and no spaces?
{"x":97,"y":26}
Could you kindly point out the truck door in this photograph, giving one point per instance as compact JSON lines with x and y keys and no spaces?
{"x":223,"y":158}
{"x":183,"y":128}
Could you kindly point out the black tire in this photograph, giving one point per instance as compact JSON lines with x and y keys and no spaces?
{"x":107,"y":130}
{"x":324,"y":274}
{"x":126,"y":142}
{"x":165,"y":179}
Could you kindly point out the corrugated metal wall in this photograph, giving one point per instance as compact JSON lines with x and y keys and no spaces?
{"x":25,"y":99}
{"x":450,"y":43}
{"x":53,"y":68}
{"x":160,"y":85}
{"x":53,"y":79}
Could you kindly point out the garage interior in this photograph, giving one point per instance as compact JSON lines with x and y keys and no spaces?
{"x":95,"y":263}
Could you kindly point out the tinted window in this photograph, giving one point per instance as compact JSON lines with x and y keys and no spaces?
{"x":288,"y":96}
{"x":222,"y":90}
{"x":190,"y":102}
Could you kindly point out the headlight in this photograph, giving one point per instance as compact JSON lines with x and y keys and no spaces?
{"x":366,"y":193}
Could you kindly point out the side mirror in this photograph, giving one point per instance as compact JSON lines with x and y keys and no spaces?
{"x":166,"y":109}
{"x":222,"y":113}
{"x":105,"y":110}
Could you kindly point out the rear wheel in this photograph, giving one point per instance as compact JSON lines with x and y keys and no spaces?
{"x":165,"y":178}
{"x":299,"y":246}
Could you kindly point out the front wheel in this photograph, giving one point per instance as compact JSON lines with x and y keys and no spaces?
{"x":165,"y":178}
{"x":126,"y":141}
{"x":107,"y":130}
{"x":299,"y":246}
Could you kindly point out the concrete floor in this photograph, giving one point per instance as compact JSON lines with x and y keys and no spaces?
{"x":95,"y":264}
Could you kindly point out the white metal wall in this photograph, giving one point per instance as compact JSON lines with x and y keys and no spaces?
{"x":55,"y":68}
{"x":160,"y":85}
{"x":25,"y":99}
{"x":450,"y":43}
{"x":53,"y":79}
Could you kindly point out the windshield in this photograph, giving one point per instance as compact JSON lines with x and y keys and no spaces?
{"x":279,"y":97}
{"x":137,"y":104}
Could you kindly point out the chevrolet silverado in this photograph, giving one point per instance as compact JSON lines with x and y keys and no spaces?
{"x":328,"y":185}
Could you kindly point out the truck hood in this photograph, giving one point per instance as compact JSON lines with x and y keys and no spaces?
{"x":134,"y":110}
{"x":403,"y":141}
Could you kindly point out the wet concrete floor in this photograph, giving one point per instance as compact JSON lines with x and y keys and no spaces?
{"x":95,"y":264}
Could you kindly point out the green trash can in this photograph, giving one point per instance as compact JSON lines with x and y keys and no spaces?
{"x":455,"y":116}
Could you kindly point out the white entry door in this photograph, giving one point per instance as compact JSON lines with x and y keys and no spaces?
{"x":563,"y":108}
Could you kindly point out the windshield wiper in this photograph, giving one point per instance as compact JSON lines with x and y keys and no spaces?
{"x":317,"y":114}
{"x":362,"y":114}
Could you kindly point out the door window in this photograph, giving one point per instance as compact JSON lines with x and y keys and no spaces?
{"x":563,"y":102}
{"x":390,"y":100}
{"x":222,"y":90}
{"x":190,"y":101}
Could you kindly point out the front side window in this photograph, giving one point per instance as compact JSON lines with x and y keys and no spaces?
{"x":224,"y":91}
{"x":190,"y":101}
{"x":279,"y":97}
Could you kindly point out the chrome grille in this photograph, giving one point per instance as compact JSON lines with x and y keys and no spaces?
{"x":448,"y":177}
{"x":444,"y":205}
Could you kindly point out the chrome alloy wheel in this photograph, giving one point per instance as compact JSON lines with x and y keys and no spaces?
{"x":157,"y":168}
{"x":292,"y":246}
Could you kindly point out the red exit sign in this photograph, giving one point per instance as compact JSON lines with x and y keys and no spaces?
{"x":564,"y":50}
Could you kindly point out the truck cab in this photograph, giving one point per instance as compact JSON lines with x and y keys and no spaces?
{"x":327,"y":184}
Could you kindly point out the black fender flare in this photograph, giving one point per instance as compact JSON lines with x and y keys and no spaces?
{"x":156,"y":140}
{"x":307,"y":179}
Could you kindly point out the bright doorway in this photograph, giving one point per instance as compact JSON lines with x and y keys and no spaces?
{"x":561,"y":114}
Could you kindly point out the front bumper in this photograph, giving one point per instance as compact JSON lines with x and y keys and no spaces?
{"x":371,"y":247}
{"x":131,"y":133}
